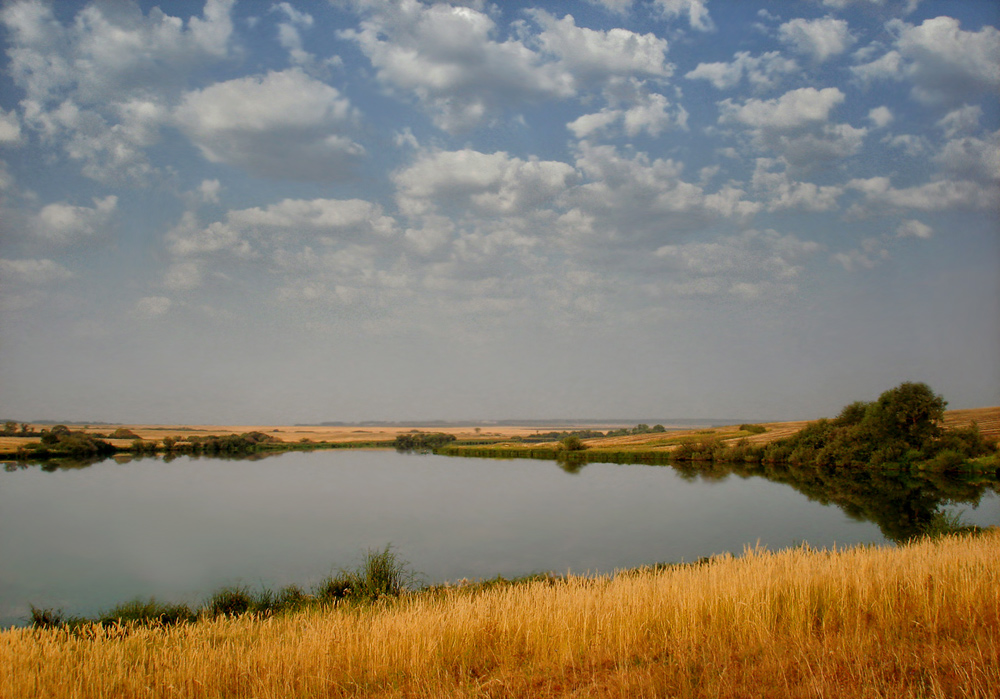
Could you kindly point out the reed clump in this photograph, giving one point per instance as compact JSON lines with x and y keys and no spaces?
{"x":919,"y":620}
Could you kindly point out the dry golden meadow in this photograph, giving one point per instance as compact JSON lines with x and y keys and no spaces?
{"x":920,"y":620}
{"x":988,"y":420}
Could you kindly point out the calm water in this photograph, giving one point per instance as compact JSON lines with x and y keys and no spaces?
{"x":86,"y":539}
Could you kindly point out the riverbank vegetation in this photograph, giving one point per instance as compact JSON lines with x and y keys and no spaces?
{"x":907,"y":428}
{"x":901,"y":430}
{"x":922,"y":619}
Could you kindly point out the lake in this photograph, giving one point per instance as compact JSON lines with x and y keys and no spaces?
{"x":84,"y":539}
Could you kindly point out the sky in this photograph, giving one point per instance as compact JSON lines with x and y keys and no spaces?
{"x":235,"y":212}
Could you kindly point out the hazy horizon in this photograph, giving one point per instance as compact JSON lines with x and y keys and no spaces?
{"x":225,"y":212}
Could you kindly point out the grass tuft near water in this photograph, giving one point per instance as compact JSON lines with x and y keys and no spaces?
{"x":919,"y":620}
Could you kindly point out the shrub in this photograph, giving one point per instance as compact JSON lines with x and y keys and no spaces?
{"x":123,"y":433}
{"x":572,"y":443}
{"x":230,"y":601}
{"x":151,"y":612}
{"x":382,"y":574}
{"x":946,"y":460}
{"x":46,"y":618}
{"x":753,"y":429}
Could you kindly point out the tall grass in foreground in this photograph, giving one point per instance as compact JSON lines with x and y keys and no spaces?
{"x":921,"y":620}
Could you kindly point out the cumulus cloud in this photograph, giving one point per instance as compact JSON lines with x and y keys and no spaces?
{"x":942,"y":195}
{"x":447,"y":57}
{"x":88,"y":83}
{"x":961,"y":121}
{"x":636,"y":111}
{"x":283,"y":124}
{"x":66,"y":224}
{"x":488,"y":183}
{"x":796,"y":126}
{"x":10,"y":127}
{"x":944,"y":63}
{"x":889,"y":66}
{"x":780,"y":192}
{"x":870,"y":254}
{"x":794,"y":109}
{"x":209,"y":190}
{"x":31,"y":271}
{"x":152,"y":306}
{"x":182,"y":276}
{"x":288,"y":32}
{"x":820,"y":39}
{"x":110,"y":49}
{"x":631,"y":200}
{"x":912,"y":228}
{"x":590,"y":55}
{"x":248,"y":232}
{"x":763,"y":72}
{"x":747,"y":265}
{"x":880,"y":117}
{"x":696,"y":12}
{"x":970,"y":158}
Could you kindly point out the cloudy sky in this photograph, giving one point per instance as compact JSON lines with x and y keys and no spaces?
{"x":273,"y":212}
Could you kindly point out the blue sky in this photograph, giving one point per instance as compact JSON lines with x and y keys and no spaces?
{"x":264,"y":212}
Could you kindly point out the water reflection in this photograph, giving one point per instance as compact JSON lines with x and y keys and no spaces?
{"x":901,"y":504}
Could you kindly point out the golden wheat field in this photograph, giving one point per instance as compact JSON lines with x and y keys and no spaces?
{"x":921,"y":620}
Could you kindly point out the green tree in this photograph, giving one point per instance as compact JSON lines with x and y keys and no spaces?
{"x":909,"y":415}
{"x":9,"y":428}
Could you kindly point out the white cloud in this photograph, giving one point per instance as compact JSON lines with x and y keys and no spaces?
{"x":283,"y":125}
{"x":961,"y":121}
{"x":873,"y":251}
{"x":65,"y":224}
{"x":110,"y":49}
{"x":794,"y":109}
{"x":591,"y":55}
{"x":489,"y":183}
{"x":446,"y":56}
{"x":182,"y":276}
{"x":911,"y":228}
{"x":887,"y":67}
{"x":209,"y":190}
{"x":696,"y":11}
{"x":880,"y":117}
{"x":630,"y":200}
{"x":288,"y":32}
{"x":152,"y":306}
{"x":944,"y":63}
{"x":637,"y":111}
{"x":100,"y":85}
{"x":616,"y":6}
{"x":821,"y":39}
{"x":970,"y":158}
{"x":31,"y":271}
{"x":248,"y":232}
{"x":10,"y":127}
{"x":795,"y":126}
{"x":841,"y":4}
{"x":912,"y":145}
{"x":746,"y":265}
{"x":763,"y":72}
{"x":589,"y":124}
{"x":940,"y":195}
{"x":780,"y":192}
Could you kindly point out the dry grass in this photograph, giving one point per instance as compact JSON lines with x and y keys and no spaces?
{"x":988,"y":420}
{"x":921,"y":620}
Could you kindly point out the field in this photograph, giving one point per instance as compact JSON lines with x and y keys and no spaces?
{"x":988,"y":420}
{"x":920,"y":620}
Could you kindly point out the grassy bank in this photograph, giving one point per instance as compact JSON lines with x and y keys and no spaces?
{"x":917,"y":620}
